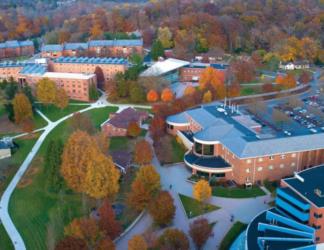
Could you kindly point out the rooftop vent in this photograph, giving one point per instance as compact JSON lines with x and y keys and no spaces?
{"x":319,"y":193}
{"x":298,"y":177}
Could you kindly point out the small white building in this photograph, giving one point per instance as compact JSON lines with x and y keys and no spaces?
{"x":294,"y":65}
{"x":5,"y":148}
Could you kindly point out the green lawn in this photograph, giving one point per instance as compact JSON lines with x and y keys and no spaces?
{"x":8,"y":168}
{"x":271,"y":186}
{"x":194,"y":208}
{"x":178,"y":151}
{"x":39,"y":121}
{"x":40,"y":215}
{"x":232,"y":234}
{"x":54,"y":113}
{"x":236,"y":192}
{"x":118,"y":142}
{"x":2,"y":109}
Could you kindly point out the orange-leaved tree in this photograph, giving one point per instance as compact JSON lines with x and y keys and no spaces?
{"x":207,"y":97}
{"x":133,"y":130}
{"x":61,"y":99}
{"x":162,"y":208}
{"x":22,"y":108}
{"x":143,"y":152}
{"x":144,"y":188}
{"x":200,"y":230}
{"x":173,"y":238}
{"x":70,"y":243}
{"x":167,"y":95}
{"x":152,"y":96}
{"x":211,"y":77}
{"x":86,"y":169}
{"x":189,"y":90}
{"x":137,"y":243}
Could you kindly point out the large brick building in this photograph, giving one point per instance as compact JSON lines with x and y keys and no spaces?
{"x":10,"y":49}
{"x":296,"y":221}
{"x":75,"y":75}
{"x":230,"y":144}
{"x":193,"y":71}
{"x":96,"y":48}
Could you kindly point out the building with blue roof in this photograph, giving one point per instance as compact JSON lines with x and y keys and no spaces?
{"x":14,"y":48}
{"x":296,"y":221}
{"x":251,"y":151}
{"x":97,"y":48}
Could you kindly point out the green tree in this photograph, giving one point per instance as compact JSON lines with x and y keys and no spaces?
{"x":54,"y":180}
{"x":136,"y":93}
{"x":157,"y":50}
{"x":93,"y":92}
{"x":165,"y":36}
{"x":11,"y":90}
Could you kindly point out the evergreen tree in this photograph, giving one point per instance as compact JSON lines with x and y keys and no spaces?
{"x":157,"y":50}
{"x":53,"y":154}
{"x":93,"y":93}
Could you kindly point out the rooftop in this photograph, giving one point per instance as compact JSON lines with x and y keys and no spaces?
{"x":91,"y":60}
{"x":208,"y":162}
{"x":33,"y":69}
{"x":164,"y":67}
{"x":68,"y":75}
{"x":236,"y":131}
{"x":16,"y":44}
{"x":309,"y":185}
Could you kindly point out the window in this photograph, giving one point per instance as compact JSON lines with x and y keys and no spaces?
{"x":282,"y":165}
{"x":247,"y":170}
{"x":282,"y":156}
{"x":260,"y":159}
{"x":317,"y":227}
{"x":198,"y":148}
{"x":260,"y":169}
{"x":317,"y":216}
{"x":270,"y":167}
{"x":293,"y":164}
{"x":271,"y":157}
{"x":208,"y":149}
{"x":248,"y":161}
{"x":293,"y":155}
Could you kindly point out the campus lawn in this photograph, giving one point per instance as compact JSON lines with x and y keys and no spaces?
{"x":195,"y":207}
{"x":39,"y":121}
{"x":100,"y":115}
{"x":118,"y":143}
{"x":8,"y":168}
{"x":40,"y":215}
{"x":232,"y":234}
{"x":54,"y":113}
{"x":237,"y":192}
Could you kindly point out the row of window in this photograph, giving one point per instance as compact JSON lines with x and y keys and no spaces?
{"x":271,"y":167}
{"x":271,"y":158}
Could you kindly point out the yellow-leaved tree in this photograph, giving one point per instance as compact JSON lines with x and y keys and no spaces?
{"x":202,"y":191}
{"x":22,"y":108}
{"x":61,"y":99}
{"x":137,"y":243}
{"x":86,"y":169}
{"x":46,"y":91}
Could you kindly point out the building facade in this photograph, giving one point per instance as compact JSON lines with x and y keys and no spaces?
{"x":227,"y":144}
{"x":10,"y":49}
{"x":192,"y":72}
{"x":297,"y":219}
{"x":94,"y":48}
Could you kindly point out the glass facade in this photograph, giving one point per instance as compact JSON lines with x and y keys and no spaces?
{"x":202,"y":149}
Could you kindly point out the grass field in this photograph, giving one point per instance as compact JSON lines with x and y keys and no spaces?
{"x":39,"y":215}
{"x":232,"y":234}
{"x":178,"y":151}
{"x":54,"y":113}
{"x":194,"y":208}
{"x":8,"y":168}
{"x":236,"y":192}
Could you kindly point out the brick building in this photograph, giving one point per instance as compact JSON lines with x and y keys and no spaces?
{"x":10,"y":49}
{"x":192,"y":72}
{"x":118,"y":122}
{"x":228,"y":144}
{"x":87,"y":65}
{"x":94,"y":48}
{"x":296,"y":221}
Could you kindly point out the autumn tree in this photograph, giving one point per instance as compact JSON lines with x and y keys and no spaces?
{"x":243,"y":70}
{"x":28,"y":125}
{"x":86,"y":169}
{"x":202,"y":191}
{"x":61,"y":99}
{"x":137,"y":243}
{"x":304,"y":78}
{"x":173,"y":239}
{"x":46,"y":91}
{"x":85,"y":229}
{"x":107,"y":220}
{"x":165,"y":37}
{"x":106,"y":244}
{"x":157,"y":127}
{"x":144,"y":188}
{"x":212,"y":78}
{"x":82,"y":121}
{"x":162,"y":208}
{"x":234,"y":90}
{"x":133,"y":130}
{"x":267,"y":87}
{"x":200,"y":230}
{"x":71,"y":243}
{"x":22,"y":108}
{"x":207,"y":97}
{"x":100,"y":76}
{"x":143,"y":152}
{"x":152,"y":96}
{"x":189,"y":90}
{"x":167,"y":95}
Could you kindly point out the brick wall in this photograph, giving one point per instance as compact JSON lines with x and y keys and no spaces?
{"x":110,"y":130}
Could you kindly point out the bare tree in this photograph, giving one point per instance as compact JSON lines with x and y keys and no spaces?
{"x":280,"y":118}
